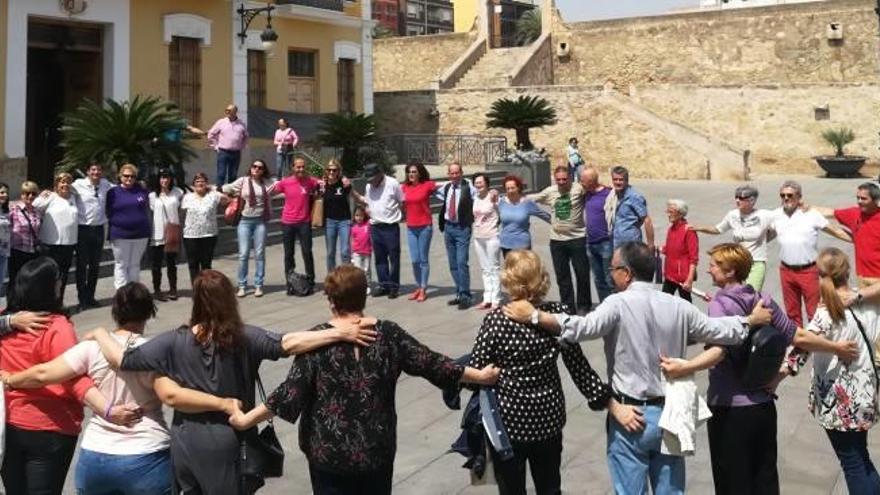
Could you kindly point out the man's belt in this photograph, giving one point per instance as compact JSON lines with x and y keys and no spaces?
{"x":632,"y":401}
{"x":798,"y":267}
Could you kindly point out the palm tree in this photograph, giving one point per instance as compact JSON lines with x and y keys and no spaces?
{"x":123,"y":132}
{"x":521,"y":114}
{"x":349,"y":132}
{"x":528,"y":27}
{"x":838,"y":138}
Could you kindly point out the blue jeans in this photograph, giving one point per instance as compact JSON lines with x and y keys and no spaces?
{"x":419,"y":240}
{"x":458,"y":244}
{"x":107,"y":474}
{"x":635,"y":458}
{"x":851,"y":448}
{"x":227,"y":166}
{"x":337,"y":231}
{"x":282,"y":165}
{"x":386,"y":252}
{"x":600,"y":260}
{"x":251,"y":231}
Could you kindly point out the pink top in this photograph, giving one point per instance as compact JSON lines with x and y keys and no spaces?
{"x":360,"y":239}
{"x":228,"y":134}
{"x":417,"y":200}
{"x":285,"y":136}
{"x":297,"y":198}
{"x":485,"y":218}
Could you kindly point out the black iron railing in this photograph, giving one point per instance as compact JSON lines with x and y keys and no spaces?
{"x":443,"y":149}
{"x":336,"y":5}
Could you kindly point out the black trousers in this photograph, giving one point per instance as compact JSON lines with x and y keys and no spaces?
{"x":544,"y":458}
{"x":572,"y":253}
{"x":302,"y":233}
{"x":742,"y":444}
{"x":36,"y":462}
{"x":63,"y":255}
{"x":199,"y":254}
{"x":369,"y":483}
{"x":671,"y":287}
{"x":157,"y":257}
{"x":89,"y":246}
{"x":17,"y":259}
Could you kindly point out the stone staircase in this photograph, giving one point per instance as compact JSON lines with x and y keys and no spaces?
{"x":494,"y":68}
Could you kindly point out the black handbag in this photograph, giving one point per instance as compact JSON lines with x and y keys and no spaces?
{"x":261,"y":453}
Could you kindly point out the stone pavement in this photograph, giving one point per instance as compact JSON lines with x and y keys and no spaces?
{"x":426,"y":428}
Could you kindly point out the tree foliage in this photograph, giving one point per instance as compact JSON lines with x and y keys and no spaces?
{"x":528,"y":27}
{"x":521,"y":114}
{"x":839,"y":138}
{"x":350,"y":132}
{"x":123,"y":132}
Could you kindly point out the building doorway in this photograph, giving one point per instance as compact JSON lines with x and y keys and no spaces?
{"x":64,"y":66}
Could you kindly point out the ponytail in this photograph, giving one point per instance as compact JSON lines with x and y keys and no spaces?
{"x":832,"y":300}
{"x":834,"y":273}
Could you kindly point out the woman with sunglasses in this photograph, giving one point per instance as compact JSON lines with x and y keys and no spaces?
{"x":256,"y":191}
{"x":750,"y":227}
{"x":336,"y":193}
{"x":417,"y":191}
{"x":128,"y":215}
{"x":60,"y":226}
{"x":25,"y":227}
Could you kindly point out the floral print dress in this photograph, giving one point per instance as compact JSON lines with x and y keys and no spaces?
{"x":843,"y":396}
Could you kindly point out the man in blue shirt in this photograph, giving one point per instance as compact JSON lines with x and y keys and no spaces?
{"x":630,"y":213}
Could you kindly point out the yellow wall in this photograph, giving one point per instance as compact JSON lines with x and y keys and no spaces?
{"x":298,"y":34}
{"x":4,"y":7}
{"x":465,"y":13}
{"x":149,"y":53}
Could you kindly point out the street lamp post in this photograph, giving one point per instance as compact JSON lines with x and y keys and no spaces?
{"x":268,"y":36}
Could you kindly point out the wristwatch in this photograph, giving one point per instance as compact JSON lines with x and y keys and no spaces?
{"x":859,"y":296}
{"x":533,"y":319}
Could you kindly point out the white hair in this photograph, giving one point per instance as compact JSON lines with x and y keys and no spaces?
{"x":680,"y":205}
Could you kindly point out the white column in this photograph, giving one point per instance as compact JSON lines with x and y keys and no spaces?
{"x":367,"y":54}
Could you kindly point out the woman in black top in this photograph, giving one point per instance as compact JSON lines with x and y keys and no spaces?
{"x":337,"y":214}
{"x":529,"y":389}
{"x":344,"y":395}
{"x":218,"y":354}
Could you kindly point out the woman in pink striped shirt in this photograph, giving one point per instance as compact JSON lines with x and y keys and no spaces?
{"x":285,"y":140}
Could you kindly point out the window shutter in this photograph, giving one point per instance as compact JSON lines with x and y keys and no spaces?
{"x":185,"y":77}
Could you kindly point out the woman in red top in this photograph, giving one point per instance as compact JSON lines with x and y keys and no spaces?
{"x":417,"y":191}
{"x":681,"y":251}
{"x":42,"y":424}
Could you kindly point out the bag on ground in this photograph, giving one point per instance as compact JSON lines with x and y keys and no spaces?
{"x":298,"y":284}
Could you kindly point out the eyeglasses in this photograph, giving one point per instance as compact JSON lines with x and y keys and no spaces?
{"x":786,"y":195}
{"x":614,"y":268}
{"x":127,"y":176}
{"x":742,"y":198}
{"x":28,"y":194}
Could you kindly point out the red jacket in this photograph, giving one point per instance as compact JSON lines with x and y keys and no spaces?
{"x":55,"y":408}
{"x":681,"y":250}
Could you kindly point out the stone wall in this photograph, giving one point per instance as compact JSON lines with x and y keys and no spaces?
{"x":406,"y":112}
{"x":776,"y":123}
{"x":776,"y":45}
{"x":538,"y":69}
{"x":415,"y":62}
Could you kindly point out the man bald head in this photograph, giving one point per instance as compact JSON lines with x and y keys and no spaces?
{"x":589,"y":178}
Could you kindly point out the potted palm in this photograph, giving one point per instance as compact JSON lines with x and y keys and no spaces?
{"x":521,"y":115}
{"x":840,"y":164}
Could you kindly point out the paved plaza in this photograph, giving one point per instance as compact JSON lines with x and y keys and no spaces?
{"x":426,"y":428}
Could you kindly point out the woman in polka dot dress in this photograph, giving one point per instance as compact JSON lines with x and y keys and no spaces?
{"x":529,"y":389}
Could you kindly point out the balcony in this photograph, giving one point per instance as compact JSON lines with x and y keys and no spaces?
{"x":336,"y":5}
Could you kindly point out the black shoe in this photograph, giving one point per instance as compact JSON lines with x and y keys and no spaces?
{"x":380,"y":292}
{"x":464,"y":304}
{"x":94,"y":303}
{"x":454,"y":302}
{"x":392,"y":294}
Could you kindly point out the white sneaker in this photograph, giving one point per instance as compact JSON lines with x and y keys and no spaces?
{"x":241,"y":292}
{"x":258,"y":292}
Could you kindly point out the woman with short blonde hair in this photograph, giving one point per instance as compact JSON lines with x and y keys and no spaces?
{"x":25,"y":224}
{"x":529,"y":390}
{"x":128,"y":216}
{"x":59,"y":229}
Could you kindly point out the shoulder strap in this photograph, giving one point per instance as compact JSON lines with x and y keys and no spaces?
{"x":870,"y":349}
{"x":30,"y":225}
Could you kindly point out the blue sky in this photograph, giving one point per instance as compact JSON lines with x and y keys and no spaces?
{"x":584,"y":10}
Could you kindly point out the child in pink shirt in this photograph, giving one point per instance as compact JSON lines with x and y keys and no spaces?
{"x":361,"y":245}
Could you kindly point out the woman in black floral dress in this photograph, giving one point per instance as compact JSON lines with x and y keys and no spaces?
{"x":344,"y":395}
{"x":529,"y":389}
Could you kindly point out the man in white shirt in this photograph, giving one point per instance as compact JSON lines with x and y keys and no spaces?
{"x":91,"y":198}
{"x":797,"y":232}
{"x":639,"y":324}
{"x":383,"y":198}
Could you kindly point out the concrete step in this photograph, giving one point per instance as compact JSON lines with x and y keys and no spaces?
{"x":494,"y":68}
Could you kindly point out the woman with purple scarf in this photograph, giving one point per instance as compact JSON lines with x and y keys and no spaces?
{"x":742,"y":429}
{"x":256,"y":191}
